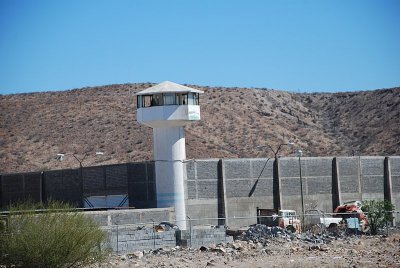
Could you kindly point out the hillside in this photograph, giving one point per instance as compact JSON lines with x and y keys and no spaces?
{"x":35,"y":127}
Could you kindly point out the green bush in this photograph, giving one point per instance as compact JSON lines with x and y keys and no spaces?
{"x":378,"y":213}
{"x":59,"y":236}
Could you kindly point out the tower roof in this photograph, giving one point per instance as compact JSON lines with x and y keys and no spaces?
{"x":168,"y":87}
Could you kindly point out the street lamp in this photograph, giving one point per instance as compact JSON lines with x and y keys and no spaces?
{"x":276,"y":184}
{"x":290,"y":143}
{"x":60,"y":157}
{"x":299,"y":154}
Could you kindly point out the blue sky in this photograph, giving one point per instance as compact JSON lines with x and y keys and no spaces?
{"x":300,"y":46}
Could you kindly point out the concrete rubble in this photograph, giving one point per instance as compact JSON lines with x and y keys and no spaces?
{"x":262,"y":246}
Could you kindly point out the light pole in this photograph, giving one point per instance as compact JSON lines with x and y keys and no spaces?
{"x":275,"y":183}
{"x":60,"y":157}
{"x":299,"y":153}
{"x":290,"y":143}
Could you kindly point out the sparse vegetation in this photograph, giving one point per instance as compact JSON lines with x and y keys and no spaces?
{"x":57,"y":237}
{"x":379,"y":213}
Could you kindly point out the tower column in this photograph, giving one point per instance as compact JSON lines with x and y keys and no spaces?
{"x":167,"y":108}
{"x":169,"y":153}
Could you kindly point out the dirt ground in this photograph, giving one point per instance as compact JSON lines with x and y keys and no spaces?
{"x":364,"y":251}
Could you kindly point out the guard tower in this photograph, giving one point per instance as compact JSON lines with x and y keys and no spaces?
{"x":167,"y":108}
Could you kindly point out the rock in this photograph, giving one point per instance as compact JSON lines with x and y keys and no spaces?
{"x":212,"y":246}
{"x":219,"y":249}
{"x":324,"y":248}
{"x":237,"y":245}
{"x":136,"y":255}
{"x":211,"y":263}
{"x":203,"y":248}
{"x":314,"y":247}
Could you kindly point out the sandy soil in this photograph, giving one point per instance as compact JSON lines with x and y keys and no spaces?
{"x":366,"y":251}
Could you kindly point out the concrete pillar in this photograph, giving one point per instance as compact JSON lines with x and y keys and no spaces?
{"x":222,"y":209}
{"x":336,"y":193}
{"x":276,"y":189}
{"x":169,"y":154}
{"x":387,"y":177}
{"x":1,"y":192}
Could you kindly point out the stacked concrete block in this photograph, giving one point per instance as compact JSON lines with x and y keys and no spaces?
{"x":132,"y":216}
{"x":125,"y":239}
{"x":196,"y":238}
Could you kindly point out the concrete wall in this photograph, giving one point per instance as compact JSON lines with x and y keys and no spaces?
{"x":201,"y":190}
{"x":224,"y":188}
{"x":372,"y":177}
{"x":235,"y":188}
{"x":132,"y":216}
{"x":395,"y":181}
{"x":316,"y":174}
{"x":249,"y":184}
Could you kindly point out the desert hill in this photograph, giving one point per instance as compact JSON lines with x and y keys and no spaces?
{"x":235,"y":122}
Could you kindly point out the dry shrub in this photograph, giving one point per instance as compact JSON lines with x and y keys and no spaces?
{"x":59,"y":236}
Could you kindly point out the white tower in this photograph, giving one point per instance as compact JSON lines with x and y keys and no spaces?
{"x":167,"y":108}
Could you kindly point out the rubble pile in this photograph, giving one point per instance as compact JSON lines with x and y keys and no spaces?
{"x":262,"y":234}
{"x":262,"y":246}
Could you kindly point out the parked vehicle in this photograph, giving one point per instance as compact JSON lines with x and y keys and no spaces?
{"x":284,"y":218}
{"x":352,"y":209}
{"x":318,"y":217}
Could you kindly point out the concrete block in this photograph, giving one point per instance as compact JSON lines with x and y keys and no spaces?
{"x":257,"y":166}
{"x":237,"y":168}
{"x":189,"y":170}
{"x":289,"y":167}
{"x":262,"y":187}
{"x":372,"y":165}
{"x":207,"y":170}
{"x":316,"y":166}
{"x":191,"y":190}
{"x":291,"y":186}
{"x":239,"y":187}
{"x":395,"y":165}
{"x":396,"y":183}
{"x":349,"y":184}
{"x":372,"y":184}
{"x":125,"y":218}
{"x":319,"y":185}
{"x":348,"y":166}
{"x":207,"y":189}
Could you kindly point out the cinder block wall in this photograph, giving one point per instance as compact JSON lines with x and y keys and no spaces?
{"x":132,"y":216}
{"x":238,"y":186}
{"x":316,"y":176}
{"x":395,"y":175}
{"x":201,"y":191}
{"x":249,"y":185}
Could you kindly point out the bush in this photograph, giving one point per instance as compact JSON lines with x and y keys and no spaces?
{"x":58,"y":237}
{"x":378,"y":213}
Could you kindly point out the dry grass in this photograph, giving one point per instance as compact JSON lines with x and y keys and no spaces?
{"x":35,"y":127}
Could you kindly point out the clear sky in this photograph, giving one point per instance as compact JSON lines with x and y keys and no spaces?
{"x":299,"y":46}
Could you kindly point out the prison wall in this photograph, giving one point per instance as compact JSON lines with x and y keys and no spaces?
{"x":316,"y":177}
{"x":221,"y":191}
{"x":394,"y":168}
{"x":202,"y":190}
